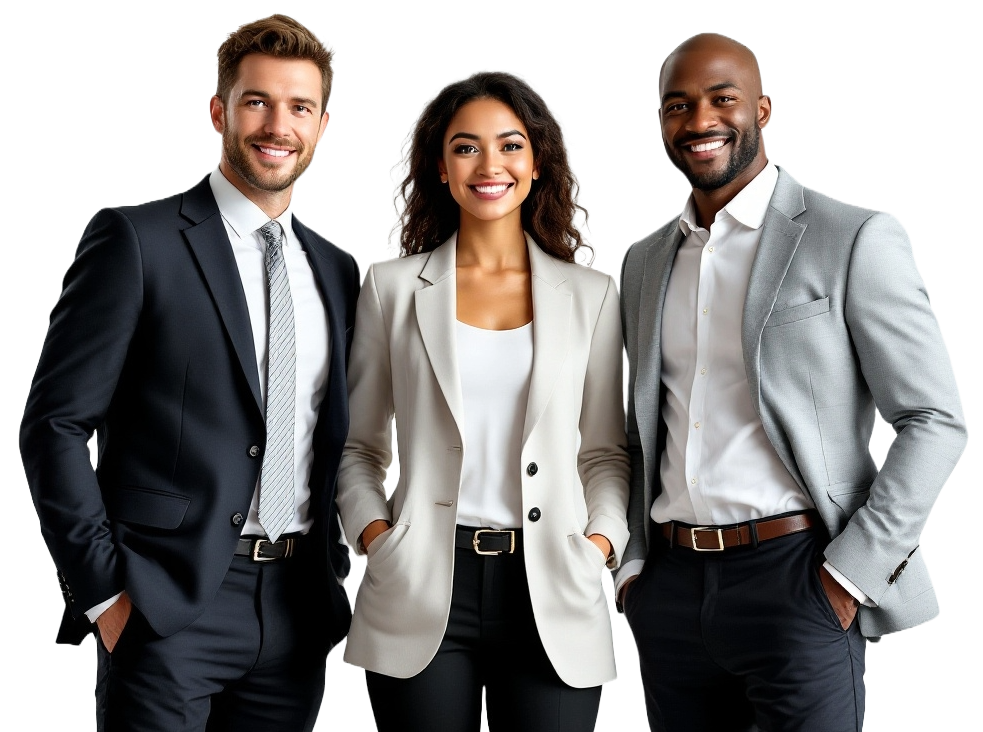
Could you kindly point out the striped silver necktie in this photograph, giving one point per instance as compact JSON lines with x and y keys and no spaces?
{"x":276,"y":488}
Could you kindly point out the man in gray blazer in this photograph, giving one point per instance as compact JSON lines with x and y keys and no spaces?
{"x":763,"y":329}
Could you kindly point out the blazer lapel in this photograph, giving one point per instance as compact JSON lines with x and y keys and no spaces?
{"x":551,"y":332}
{"x":210,"y":245}
{"x":436,"y":314}
{"x":648,"y":379}
{"x":780,"y":237}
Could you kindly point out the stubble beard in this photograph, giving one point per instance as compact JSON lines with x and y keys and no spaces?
{"x":744,"y":153}
{"x":266,"y":178}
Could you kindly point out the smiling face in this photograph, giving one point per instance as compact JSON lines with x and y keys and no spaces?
{"x":270,"y":124}
{"x":712,"y":113}
{"x":488,"y":161}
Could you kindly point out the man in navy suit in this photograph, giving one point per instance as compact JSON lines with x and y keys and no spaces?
{"x":158,"y":343}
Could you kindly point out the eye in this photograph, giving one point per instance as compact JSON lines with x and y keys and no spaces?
{"x":256,"y":103}
{"x":677,"y":107}
{"x":725,"y":100}
{"x":512,"y":147}
{"x":465,"y":149}
{"x":301,"y":109}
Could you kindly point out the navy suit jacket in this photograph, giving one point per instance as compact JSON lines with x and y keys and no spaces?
{"x":150,"y":347}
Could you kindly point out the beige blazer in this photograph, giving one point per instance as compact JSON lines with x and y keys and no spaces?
{"x":404,"y":365}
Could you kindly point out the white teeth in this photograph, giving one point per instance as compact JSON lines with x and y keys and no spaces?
{"x":491,"y":189}
{"x":275,"y":153}
{"x":704,"y":146}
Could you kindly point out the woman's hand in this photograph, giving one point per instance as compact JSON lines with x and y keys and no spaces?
{"x":372,"y":531}
{"x":602,"y":543}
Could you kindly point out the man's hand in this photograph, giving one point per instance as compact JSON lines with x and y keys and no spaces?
{"x":623,"y":592}
{"x":113,"y":620}
{"x":842,"y":601}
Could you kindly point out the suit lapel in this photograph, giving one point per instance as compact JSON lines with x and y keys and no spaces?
{"x":780,"y":237}
{"x":210,"y":245}
{"x":436,"y":314}
{"x":551,"y":332}
{"x":332,"y":287}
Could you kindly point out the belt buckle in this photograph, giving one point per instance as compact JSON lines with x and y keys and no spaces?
{"x":477,"y":540}
{"x":720,"y":539}
{"x":287,"y":551}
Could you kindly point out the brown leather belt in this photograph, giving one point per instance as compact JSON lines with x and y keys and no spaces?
{"x":749,"y":533}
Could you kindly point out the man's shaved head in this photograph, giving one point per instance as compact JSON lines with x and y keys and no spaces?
{"x":706,"y":45}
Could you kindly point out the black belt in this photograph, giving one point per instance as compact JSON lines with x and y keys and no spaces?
{"x":491,"y":542}
{"x":260,"y":549}
{"x":748,"y":533}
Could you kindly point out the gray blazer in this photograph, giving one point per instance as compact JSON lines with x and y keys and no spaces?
{"x":836,"y":324}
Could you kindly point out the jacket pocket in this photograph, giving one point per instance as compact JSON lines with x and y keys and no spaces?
{"x":148,"y":507}
{"x":798,"y":312}
{"x":848,"y":497}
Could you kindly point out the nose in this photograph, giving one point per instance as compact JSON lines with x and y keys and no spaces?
{"x":491,"y":163}
{"x":702,"y":118}
{"x":278,"y":121}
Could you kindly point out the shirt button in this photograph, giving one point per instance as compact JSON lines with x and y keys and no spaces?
{"x":535,"y":514}
{"x":697,"y":425}
{"x":706,"y":310}
{"x":236,"y":519}
{"x":532,"y":469}
{"x":254,"y":451}
{"x":693,"y":481}
{"x":710,"y":249}
{"x":703,"y":372}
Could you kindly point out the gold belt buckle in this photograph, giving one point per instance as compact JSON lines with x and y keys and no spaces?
{"x":711,"y":530}
{"x":477,"y":540}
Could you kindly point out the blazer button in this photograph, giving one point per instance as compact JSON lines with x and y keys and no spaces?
{"x":236,"y":519}
{"x":534,"y":514}
{"x":532,"y":469}
{"x":254,"y":451}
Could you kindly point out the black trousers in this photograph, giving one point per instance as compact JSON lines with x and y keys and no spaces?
{"x":491,"y":644}
{"x":744,"y":639}
{"x":253,"y":662}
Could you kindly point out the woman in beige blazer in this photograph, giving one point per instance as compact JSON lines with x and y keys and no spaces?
{"x":500,"y":360}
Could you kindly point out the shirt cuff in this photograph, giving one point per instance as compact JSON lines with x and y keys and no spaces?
{"x":93,"y":613}
{"x":858,"y":594}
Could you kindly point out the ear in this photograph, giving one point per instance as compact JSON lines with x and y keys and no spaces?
{"x":764,"y":110}
{"x":217,"y":112}
{"x":443,"y":170}
{"x":535,"y":173}
{"x":323,"y":126}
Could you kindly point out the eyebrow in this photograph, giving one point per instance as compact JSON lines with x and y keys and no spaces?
{"x":265,"y":95}
{"x":471,"y":136}
{"x":716,"y":87}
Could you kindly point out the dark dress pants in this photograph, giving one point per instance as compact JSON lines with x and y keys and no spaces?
{"x":253,"y":662}
{"x":491,"y":644}
{"x":744,"y":639}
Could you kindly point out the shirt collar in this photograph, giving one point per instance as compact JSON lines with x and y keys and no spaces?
{"x":241,"y":214}
{"x":748,"y":207}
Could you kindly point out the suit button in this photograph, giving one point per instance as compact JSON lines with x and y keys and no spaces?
{"x":236,"y":519}
{"x":254,"y":451}
{"x":534,"y":514}
{"x":532,"y":469}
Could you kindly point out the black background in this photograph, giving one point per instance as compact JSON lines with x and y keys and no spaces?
{"x":126,"y":107}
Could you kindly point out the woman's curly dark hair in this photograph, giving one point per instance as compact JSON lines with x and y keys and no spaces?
{"x":430,"y":214}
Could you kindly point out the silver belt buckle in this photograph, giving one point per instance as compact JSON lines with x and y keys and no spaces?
{"x":708,"y":529}
{"x":259,"y":542}
{"x":477,"y":540}
{"x":256,"y":545}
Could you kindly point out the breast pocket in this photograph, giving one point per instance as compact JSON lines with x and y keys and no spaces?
{"x":798,"y":312}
